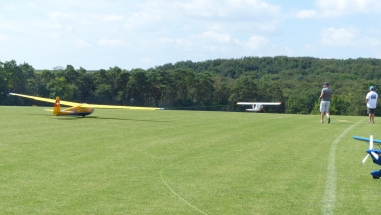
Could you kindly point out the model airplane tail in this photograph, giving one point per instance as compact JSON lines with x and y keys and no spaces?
{"x":373,"y":153}
{"x":57,"y":106}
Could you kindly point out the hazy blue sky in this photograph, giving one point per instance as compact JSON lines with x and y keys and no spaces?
{"x":98,"y":34}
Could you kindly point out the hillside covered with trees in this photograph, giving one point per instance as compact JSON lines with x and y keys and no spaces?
{"x":208,"y":85}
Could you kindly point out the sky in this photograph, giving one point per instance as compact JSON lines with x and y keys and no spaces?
{"x":99,"y":34}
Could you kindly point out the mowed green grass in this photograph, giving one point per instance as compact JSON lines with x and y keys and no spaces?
{"x":183,"y":162}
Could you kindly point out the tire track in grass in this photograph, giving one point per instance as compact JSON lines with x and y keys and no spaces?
{"x":329,"y":198}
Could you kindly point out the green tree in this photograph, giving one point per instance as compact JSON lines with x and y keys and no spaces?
{"x":137,"y":87}
{"x":121,"y":87}
{"x":246,"y":89}
{"x":60,"y":87}
{"x":41,"y":82}
{"x":179,"y":89}
{"x":221,"y":91}
{"x":156,"y":85}
{"x":204,"y":89}
{"x":301,"y":103}
{"x":3,"y":85}
{"x":103,"y":94}
{"x":15,"y":78}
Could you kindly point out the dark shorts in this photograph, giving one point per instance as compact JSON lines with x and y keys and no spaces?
{"x":371,"y":110}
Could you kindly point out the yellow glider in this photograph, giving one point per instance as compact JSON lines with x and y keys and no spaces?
{"x":79,"y":109}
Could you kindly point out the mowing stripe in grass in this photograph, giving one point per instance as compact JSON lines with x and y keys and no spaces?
{"x":330,"y":188}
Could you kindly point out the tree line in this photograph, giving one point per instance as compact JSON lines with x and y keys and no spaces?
{"x":208,"y":85}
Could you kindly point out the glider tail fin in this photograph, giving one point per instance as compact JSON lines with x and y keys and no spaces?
{"x":57,"y":106}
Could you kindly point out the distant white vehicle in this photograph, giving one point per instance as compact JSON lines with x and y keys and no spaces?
{"x":258,"y":106}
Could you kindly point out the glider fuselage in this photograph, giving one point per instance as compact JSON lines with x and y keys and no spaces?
{"x":76,"y":111}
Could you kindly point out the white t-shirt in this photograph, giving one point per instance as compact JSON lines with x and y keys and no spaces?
{"x":372,"y":99}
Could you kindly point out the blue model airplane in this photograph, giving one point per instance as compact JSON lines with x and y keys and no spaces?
{"x":374,"y":153}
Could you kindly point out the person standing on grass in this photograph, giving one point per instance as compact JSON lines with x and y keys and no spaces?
{"x":371,"y":103}
{"x":325,"y":102}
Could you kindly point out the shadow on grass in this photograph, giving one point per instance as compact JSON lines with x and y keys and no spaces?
{"x":342,"y":122}
{"x":93,"y":117}
{"x":103,"y":118}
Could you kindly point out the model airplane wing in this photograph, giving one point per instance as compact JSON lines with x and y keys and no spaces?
{"x":259,"y":103}
{"x":74,"y":104}
{"x":257,"y":106}
{"x":366,"y":139}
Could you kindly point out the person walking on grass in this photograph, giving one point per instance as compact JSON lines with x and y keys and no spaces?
{"x":371,"y":103}
{"x":325,"y":102}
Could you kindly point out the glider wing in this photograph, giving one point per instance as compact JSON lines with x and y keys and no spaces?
{"x":119,"y":107}
{"x":74,"y":104}
{"x":261,"y":103}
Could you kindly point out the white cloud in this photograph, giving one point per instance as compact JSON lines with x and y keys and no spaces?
{"x":338,"y":37}
{"x":85,"y":5}
{"x":81,"y":43}
{"x":84,"y":22}
{"x":30,"y":5}
{"x":111,"y":43}
{"x":208,"y":41}
{"x":211,"y":15}
{"x":112,"y":18}
{"x":336,"y":8}
{"x":196,"y":8}
{"x":311,"y":48}
{"x":223,"y":38}
{"x":185,"y":28}
{"x":46,"y":25}
{"x":171,"y":30}
{"x":348,"y":37}
{"x":4,"y":37}
{"x":214,"y":48}
{"x":184,"y":44}
{"x":146,"y":60}
{"x":15,"y":7}
{"x":10,"y":7}
{"x":69,"y":28}
{"x":370,"y":42}
{"x":58,"y":15}
{"x":142,"y":19}
{"x":343,"y":7}
{"x":229,"y":8}
{"x":257,"y":43}
{"x":306,"y":14}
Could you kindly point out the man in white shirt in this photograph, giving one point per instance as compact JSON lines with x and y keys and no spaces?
{"x":371,"y":103}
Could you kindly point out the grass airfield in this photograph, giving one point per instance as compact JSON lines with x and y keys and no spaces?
{"x":184,"y":162}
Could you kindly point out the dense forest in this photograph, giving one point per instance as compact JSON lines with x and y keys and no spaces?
{"x":208,"y":85}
